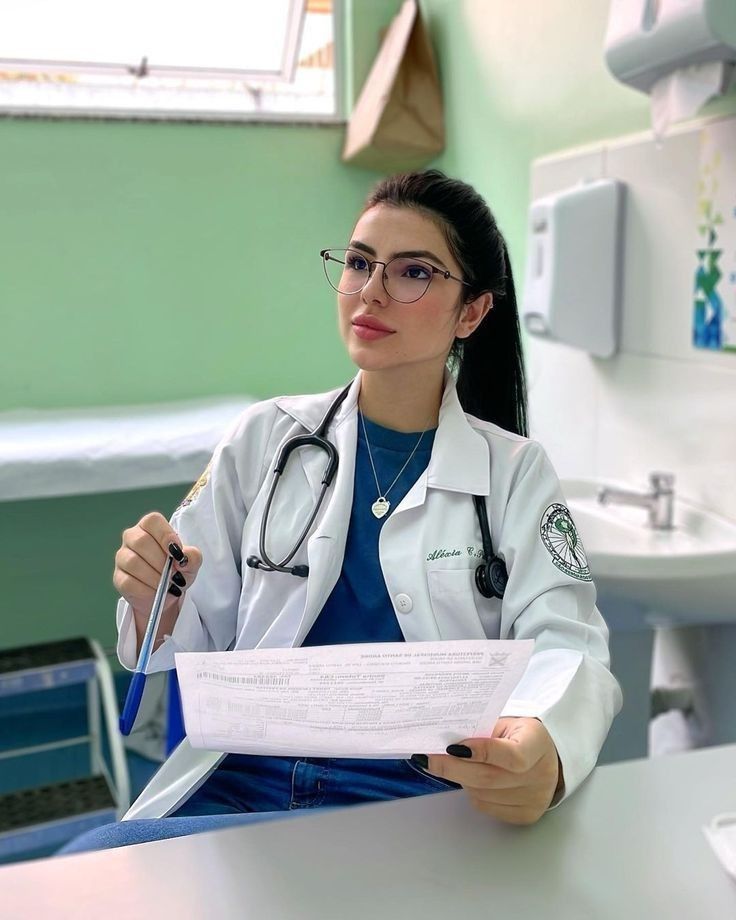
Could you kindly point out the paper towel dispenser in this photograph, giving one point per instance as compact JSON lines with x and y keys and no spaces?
{"x":649,"y":39}
{"x":574,"y":264}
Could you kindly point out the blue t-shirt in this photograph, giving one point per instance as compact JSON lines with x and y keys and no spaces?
{"x":359,"y":608}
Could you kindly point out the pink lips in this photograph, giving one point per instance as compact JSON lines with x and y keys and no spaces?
{"x":370,"y":329}
{"x":369,"y":334}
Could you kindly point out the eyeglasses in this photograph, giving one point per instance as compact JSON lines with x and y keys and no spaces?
{"x":404,"y":279}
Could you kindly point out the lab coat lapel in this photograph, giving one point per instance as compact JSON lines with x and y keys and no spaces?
{"x":460,"y":460}
{"x":310,"y":415}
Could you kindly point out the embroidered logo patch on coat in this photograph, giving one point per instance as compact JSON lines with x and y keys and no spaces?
{"x":560,"y":536}
{"x":197,"y":487}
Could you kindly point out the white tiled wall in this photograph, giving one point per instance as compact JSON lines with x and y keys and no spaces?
{"x":660,"y":403}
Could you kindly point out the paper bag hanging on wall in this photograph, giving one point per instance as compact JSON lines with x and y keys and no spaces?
{"x":398,"y":121}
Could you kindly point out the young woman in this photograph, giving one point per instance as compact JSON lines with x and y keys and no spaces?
{"x":435,"y":416}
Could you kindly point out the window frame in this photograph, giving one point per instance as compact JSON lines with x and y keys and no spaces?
{"x":341,"y":19}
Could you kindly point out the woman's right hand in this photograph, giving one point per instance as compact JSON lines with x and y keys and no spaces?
{"x":140,"y":561}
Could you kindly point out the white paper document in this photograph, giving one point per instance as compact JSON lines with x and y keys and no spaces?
{"x":386,"y":699}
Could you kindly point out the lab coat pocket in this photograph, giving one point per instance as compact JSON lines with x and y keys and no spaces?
{"x":453,"y":603}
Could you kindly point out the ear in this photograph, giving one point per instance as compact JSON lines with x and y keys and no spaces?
{"x":473,"y":314}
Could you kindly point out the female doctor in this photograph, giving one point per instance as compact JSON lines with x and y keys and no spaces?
{"x":435,"y":415}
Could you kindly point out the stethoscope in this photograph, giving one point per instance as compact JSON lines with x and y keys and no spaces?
{"x":490,"y":576}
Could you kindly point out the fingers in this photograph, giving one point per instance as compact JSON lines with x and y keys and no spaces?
{"x":523,"y":805}
{"x":512,"y":798}
{"x":157,"y":527}
{"x":518,"y":767}
{"x":191,"y":562}
{"x":473,"y":775}
{"x":136,"y":580}
{"x":139,"y":572}
{"x":509,"y":798}
{"x":141,"y":559}
{"x":154,"y":539}
{"x":522,"y":814}
{"x":517,"y":744}
{"x":500,"y":762}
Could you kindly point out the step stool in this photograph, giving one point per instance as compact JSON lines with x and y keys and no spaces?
{"x":50,"y":815}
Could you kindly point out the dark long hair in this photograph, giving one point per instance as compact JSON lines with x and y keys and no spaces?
{"x":489,"y":364}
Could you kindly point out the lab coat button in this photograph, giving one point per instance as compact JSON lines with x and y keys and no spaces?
{"x":403,"y":603}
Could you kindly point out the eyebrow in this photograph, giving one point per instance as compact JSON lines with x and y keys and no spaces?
{"x":409,"y":253}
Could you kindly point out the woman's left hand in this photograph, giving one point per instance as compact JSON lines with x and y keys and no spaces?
{"x":513,"y":775}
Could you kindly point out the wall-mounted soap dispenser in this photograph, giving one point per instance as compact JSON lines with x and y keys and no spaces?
{"x":574,"y":265}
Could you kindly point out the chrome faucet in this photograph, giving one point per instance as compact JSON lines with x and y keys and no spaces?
{"x":660,"y":501}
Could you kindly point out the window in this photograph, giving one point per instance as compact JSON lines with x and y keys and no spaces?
{"x":171,"y":59}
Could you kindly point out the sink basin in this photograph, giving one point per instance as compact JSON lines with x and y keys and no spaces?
{"x":683,"y":575}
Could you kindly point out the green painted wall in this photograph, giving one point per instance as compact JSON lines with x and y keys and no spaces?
{"x":154,"y":261}
{"x":142,"y":262}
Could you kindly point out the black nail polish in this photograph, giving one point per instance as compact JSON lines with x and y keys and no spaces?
{"x":420,"y":760}
{"x":174,"y":590}
{"x":459,"y":750}
{"x":179,"y":579}
{"x":176,"y":551}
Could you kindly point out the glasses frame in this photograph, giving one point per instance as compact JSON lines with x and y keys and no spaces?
{"x":324,"y":253}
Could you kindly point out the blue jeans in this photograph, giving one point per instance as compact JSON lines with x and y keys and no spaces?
{"x":247,"y":789}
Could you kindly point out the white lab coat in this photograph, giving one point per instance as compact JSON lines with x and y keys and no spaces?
{"x":428,"y":551}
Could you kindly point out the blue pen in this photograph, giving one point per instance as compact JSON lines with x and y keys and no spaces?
{"x":138,"y":682}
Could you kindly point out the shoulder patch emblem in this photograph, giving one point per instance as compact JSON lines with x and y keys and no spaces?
{"x":197,"y":487}
{"x":560,"y":536}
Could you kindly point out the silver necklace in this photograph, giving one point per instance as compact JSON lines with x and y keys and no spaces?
{"x":381,"y":506}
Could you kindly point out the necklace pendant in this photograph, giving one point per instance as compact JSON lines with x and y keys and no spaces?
{"x":380,"y":507}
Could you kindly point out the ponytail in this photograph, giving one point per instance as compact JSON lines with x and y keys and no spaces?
{"x":491,"y":382}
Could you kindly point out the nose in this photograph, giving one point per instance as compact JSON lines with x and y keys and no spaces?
{"x":373,"y":289}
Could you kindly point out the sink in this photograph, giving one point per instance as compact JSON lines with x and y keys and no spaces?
{"x":683,"y":575}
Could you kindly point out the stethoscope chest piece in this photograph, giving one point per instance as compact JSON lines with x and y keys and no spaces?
{"x":491,"y":578}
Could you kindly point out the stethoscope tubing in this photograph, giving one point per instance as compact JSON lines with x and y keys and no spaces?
{"x":317,"y":439}
{"x":270,"y":565}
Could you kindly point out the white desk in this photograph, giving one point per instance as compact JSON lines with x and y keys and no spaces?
{"x":628,"y":845}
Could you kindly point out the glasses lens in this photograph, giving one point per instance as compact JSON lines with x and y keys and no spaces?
{"x":406,"y":280}
{"x":346,"y":270}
